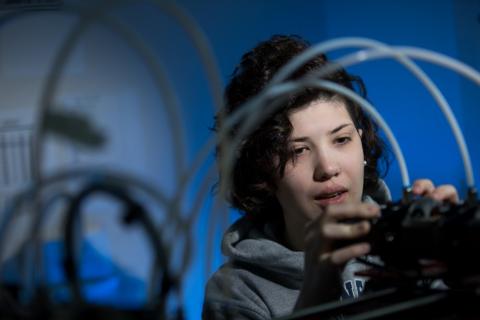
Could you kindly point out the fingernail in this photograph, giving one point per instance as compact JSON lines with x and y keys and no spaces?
{"x":363,"y":226}
{"x":365,"y":248}
{"x":373,"y":209}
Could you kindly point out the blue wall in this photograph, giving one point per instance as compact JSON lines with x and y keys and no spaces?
{"x":449,"y":27}
{"x":107,"y":77}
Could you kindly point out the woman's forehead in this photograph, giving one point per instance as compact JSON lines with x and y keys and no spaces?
{"x":319,"y":116}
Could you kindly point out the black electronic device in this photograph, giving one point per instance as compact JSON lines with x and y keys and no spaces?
{"x":417,"y":241}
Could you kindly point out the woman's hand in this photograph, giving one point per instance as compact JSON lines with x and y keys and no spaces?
{"x":329,"y":245}
{"x":330,"y":242}
{"x":426,"y":188}
{"x":340,"y":223}
{"x":430,"y":267}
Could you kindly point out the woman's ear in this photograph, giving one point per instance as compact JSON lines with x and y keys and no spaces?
{"x":360,"y":132}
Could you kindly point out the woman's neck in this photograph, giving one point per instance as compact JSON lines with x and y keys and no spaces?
{"x":293,"y":236}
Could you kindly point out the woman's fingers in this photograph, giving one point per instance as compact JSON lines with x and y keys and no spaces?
{"x":341,"y":222}
{"x":346,"y":211}
{"x":338,"y":231}
{"x":349,"y":221}
{"x":337,"y":223}
{"x":425,"y":187}
{"x":341,"y":256}
{"x":445,"y":192}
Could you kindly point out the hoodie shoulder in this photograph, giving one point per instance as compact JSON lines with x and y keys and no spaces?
{"x":229,"y":294}
{"x":243,"y":293}
{"x":382,"y":194}
{"x":261,"y":279}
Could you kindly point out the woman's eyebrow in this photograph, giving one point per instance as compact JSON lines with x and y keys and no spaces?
{"x":299,"y":139}
{"x":340,"y":127}
{"x":303,"y":139}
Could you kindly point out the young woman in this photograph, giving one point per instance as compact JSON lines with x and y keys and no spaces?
{"x":298,"y":178}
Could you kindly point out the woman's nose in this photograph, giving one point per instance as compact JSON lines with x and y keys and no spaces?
{"x":326,"y":167}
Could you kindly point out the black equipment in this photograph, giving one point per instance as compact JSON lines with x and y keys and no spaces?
{"x":418,"y":241}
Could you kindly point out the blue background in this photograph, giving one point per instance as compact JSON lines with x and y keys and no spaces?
{"x":109,"y":83}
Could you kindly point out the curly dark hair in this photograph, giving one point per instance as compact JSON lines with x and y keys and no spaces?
{"x":264,"y":153}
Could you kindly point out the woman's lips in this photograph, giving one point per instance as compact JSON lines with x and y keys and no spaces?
{"x":326,"y":199}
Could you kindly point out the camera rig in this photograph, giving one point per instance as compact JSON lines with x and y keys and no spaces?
{"x":420,"y":242}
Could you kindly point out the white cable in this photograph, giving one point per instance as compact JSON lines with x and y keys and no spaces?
{"x":33,"y":193}
{"x":361,"y":56}
{"x":171,"y":103}
{"x":202,"y":45}
{"x":164,"y":86}
{"x":464,"y":70}
{"x":399,"y":53}
{"x":290,"y":88}
{"x":97,"y":16}
{"x":382,"y":50}
{"x":467,"y":71}
{"x":199,"y":42}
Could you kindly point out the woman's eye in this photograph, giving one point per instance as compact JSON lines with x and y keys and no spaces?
{"x":300,"y":150}
{"x":343,"y":140}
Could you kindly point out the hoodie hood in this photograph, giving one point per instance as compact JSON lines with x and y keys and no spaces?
{"x":246,"y":242}
{"x":258,"y":247}
{"x":262,"y":277}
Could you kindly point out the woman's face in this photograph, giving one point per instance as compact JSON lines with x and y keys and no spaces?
{"x":327,"y":168}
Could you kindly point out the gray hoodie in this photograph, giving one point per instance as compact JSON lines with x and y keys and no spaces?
{"x":262,"y":278}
